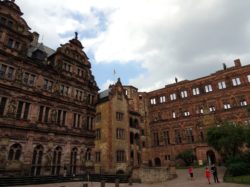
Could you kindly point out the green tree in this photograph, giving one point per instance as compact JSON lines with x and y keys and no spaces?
{"x":227,"y":139}
{"x":187,"y":156}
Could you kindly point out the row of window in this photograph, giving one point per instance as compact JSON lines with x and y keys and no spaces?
{"x":120,"y":156}
{"x":7,"y":72}
{"x":68,"y":67}
{"x":15,"y":153}
{"x":200,"y":109}
{"x":45,"y":114}
{"x":120,"y":134}
{"x":187,"y":134}
{"x":197,"y":91}
{"x":226,"y":106}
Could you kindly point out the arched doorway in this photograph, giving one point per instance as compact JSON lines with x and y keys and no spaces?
{"x":157,"y":162}
{"x":211,"y":159}
{"x":120,"y":172}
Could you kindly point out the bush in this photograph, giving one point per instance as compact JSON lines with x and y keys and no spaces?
{"x":187,"y":156}
{"x":238,"y":168}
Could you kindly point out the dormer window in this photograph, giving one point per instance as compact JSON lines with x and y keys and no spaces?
{"x":10,"y":43}
{"x":3,"y":20}
{"x":10,"y":24}
{"x":67,"y":67}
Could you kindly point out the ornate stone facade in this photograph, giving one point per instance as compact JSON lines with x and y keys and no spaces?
{"x":47,"y":102}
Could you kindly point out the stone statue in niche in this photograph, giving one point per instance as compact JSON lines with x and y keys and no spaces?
{"x":12,"y":107}
{"x":56,"y":88}
{"x":19,"y":74}
{"x":48,"y":157}
{"x":3,"y":152}
{"x":53,"y":115}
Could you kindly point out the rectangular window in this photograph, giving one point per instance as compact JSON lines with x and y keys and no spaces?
{"x":172,"y":96}
{"x":28,"y":79}
{"x":67,"y":67}
{"x":178,"y":136}
{"x":98,"y":134}
{"x":2,"y":105}
{"x":79,"y":95}
{"x":120,"y":133}
{"x":61,"y":117}
{"x":162,"y":99}
{"x":236,"y":81}
{"x":76,"y":121}
{"x":227,"y":106}
{"x":222,"y":85}
{"x":173,"y":114}
{"x":166,"y":138}
{"x":10,"y":72}
{"x":46,"y":116}
{"x":196,"y":91}
{"x":3,"y":70}
{"x":120,"y":156}
{"x":119,"y":116}
{"x":23,"y":110}
{"x":156,"y":139}
{"x":212,"y":109}
{"x":186,"y":113}
{"x":190,"y":137}
{"x":89,"y":123}
{"x":243,"y":103}
{"x":98,"y":117}
{"x":10,"y":43}
{"x":183,"y":94}
{"x":248,"y":78}
{"x":98,"y":156}
{"x":40,"y":115}
{"x":208,"y":88}
{"x":48,"y":85}
{"x":64,"y":90}
{"x":153,"y":101}
{"x":6,"y":72}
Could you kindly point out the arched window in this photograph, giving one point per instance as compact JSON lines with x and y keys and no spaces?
{"x":56,"y":164}
{"x":88,"y":154}
{"x":37,"y":160}
{"x":136,"y":123}
{"x":73,"y":160}
{"x":15,"y":152}
{"x":131,"y":137}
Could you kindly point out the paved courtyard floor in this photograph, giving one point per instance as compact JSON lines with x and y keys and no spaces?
{"x":181,"y":181}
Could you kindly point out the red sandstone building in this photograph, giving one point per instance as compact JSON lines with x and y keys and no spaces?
{"x":180,"y":113}
{"x":47,"y":102}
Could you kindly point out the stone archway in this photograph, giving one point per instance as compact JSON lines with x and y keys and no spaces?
{"x":157,"y":162}
{"x":211,"y":159}
{"x":120,"y":172}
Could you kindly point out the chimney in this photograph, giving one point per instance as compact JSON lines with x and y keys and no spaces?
{"x":237,"y":63}
{"x":35,"y":39}
{"x":224,"y":66}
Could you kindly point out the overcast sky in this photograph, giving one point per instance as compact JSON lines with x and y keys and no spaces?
{"x":147,"y":42}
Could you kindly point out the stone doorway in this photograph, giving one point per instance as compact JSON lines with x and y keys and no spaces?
{"x":211,"y":159}
{"x":157,"y":162}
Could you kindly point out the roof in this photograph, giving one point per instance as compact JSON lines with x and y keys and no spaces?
{"x":41,"y":47}
{"x":104,"y":93}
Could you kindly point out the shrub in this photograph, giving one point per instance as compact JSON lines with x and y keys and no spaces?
{"x":187,"y":156}
{"x":238,"y":168}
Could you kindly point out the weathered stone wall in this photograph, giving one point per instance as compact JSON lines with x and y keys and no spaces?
{"x":154,"y":174}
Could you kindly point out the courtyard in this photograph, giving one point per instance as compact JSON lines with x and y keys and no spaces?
{"x":181,"y":181}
